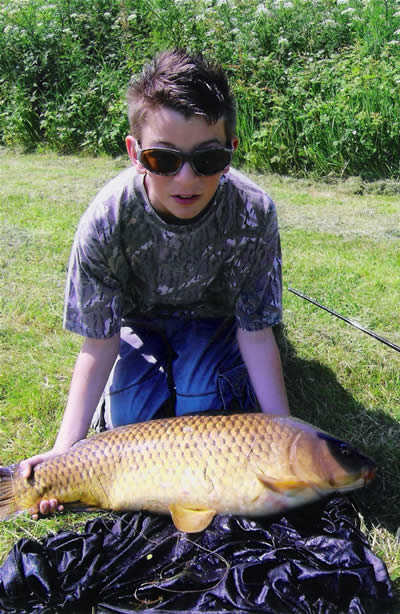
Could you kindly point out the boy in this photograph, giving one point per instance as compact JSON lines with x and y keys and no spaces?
{"x":175,"y":272}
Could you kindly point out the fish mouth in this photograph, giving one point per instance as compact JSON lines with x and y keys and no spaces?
{"x":369,"y":475}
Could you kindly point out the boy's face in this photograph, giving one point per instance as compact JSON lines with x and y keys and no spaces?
{"x":185,"y":194}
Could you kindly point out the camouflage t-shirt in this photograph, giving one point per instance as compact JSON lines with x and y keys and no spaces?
{"x":127,"y":262}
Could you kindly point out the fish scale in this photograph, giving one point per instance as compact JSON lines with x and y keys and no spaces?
{"x":193,"y":467}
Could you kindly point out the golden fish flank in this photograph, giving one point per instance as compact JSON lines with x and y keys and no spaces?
{"x":193,"y":467}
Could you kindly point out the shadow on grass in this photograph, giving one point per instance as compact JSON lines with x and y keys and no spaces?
{"x":315,"y":395}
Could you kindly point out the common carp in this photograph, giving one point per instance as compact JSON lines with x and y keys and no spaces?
{"x":193,"y":467}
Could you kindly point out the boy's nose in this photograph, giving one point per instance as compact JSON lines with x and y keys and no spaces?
{"x":186,"y":173}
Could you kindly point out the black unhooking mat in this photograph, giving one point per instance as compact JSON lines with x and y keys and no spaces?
{"x":312,"y":561}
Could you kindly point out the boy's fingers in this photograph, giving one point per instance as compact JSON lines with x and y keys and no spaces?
{"x":44,"y":507}
{"x":48,"y":506}
{"x":27,"y":465}
{"x":54,"y":506}
{"x":33,"y":512}
{"x":25,"y":468}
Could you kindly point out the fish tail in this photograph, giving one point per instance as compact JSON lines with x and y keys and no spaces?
{"x":8,"y":503}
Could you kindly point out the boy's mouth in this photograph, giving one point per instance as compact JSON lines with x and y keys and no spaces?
{"x":186,"y":198}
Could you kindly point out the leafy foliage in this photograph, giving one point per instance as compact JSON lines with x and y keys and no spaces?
{"x":317,"y":81}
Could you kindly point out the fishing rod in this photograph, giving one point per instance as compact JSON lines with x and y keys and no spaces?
{"x":347,"y":320}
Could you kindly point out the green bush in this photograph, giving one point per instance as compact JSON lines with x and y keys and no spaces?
{"x":317,"y":81}
{"x":339,"y":115}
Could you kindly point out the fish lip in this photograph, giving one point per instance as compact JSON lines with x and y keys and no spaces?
{"x":369,"y":475}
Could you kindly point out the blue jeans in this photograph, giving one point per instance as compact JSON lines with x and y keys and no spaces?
{"x":170,"y":366}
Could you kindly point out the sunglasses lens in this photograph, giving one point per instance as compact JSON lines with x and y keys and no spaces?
{"x":211,"y":161}
{"x":159,"y":161}
{"x":167,"y":162}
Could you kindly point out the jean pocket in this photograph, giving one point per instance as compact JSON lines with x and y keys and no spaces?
{"x":235,"y":390}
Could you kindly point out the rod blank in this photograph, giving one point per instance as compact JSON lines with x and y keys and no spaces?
{"x":347,"y":320}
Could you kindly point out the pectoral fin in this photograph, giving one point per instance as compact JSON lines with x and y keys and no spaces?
{"x":283,"y":487}
{"x":190,"y":520}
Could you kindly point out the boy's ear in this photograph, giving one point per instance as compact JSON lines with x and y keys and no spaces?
{"x":234,"y":144}
{"x":130,"y":142}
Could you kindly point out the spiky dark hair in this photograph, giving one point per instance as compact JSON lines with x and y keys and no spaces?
{"x":189,"y":84}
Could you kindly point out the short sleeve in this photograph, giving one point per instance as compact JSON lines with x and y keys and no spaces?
{"x":92,"y":294}
{"x":260,"y":300}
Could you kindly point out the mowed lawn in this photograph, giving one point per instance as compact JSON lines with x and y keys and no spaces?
{"x":340,"y":244}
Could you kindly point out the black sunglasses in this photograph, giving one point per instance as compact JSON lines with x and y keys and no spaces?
{"x":165,"y":161}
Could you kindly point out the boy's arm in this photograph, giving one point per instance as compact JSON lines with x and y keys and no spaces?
{"x":262,"y":359}
{"x":92,"y":368}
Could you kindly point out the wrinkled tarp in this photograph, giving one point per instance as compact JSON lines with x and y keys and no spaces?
{"x":312,"y":561}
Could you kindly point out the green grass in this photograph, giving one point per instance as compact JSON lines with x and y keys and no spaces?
{"x":340,"y":246}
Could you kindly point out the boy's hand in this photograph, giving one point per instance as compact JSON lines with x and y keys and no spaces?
{"x":45,"y":506}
